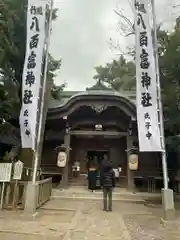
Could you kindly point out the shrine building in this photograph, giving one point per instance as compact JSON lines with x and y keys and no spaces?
{"x":92,"y":123}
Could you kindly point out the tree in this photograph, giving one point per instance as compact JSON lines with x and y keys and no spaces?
{"x":125,"y":28}
{"x":52,"y":67}
{"x":7,"y":19}
{"x":168,"y":49}
{"x":169,"y":57}
{"x":13,"y":40}
{"x":169,"y":60}
{"x":169,"y":66}
{"x":56,"y":90}
{"x":12,"y":53}
{"x":119,"y":74}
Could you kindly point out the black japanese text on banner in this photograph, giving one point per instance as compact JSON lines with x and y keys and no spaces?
{"x":31,"y":79}
{"x":146,"y":91}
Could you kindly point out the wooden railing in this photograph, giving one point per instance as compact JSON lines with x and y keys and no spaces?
{"x":152,"y":180}
{"x":44,"y":189}
{"x":50,"y":169}
{"x":14,"y":195}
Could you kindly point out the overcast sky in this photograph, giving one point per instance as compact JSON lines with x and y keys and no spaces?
{"x":81,"y":34}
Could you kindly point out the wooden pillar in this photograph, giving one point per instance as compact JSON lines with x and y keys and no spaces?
{"x":65,"y":175}
{"x":130,"y":173}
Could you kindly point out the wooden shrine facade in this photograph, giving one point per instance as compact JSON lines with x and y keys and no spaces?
{"x":94,"y":121}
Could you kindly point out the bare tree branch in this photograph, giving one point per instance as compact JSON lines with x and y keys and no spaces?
{"x":125,"y":28}
{"x":125,"y":25}
{"x":177,"y":4}
{"x":115,"y":45}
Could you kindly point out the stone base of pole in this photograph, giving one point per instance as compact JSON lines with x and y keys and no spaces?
{"x":63,"y":183}
{"x":31,"y":196}
{"x":65,"y":177}
{"x":168,"y":204}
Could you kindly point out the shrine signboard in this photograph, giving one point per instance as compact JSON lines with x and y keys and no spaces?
{"x":5,"y":172}
{"x":18,"y":169}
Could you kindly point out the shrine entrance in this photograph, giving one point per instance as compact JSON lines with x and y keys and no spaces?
{"x":89,"y":146}
{"x":98,"y":154}
{"x":91,"y":124}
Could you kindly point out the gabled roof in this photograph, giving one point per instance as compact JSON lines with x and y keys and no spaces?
{"x":66,"y":96}
{"x":66,"y":105}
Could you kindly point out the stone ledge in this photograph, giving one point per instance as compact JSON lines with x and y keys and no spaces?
{"x":128,"y":200}
{"x":168,"y":223}
{"x":20,"y":233}
{"x":30,"y":217}
{"x":48,"y":209}
{"x":22,"y":236}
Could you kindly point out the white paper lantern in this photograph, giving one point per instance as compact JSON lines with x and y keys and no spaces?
{"x":61,"y":159}
{"x":133,"y":161}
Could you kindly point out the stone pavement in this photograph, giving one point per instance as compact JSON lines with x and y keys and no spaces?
{"x":84,"y":220}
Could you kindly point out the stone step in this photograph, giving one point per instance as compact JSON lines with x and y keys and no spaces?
{"x":84,"y":191}
{"x":80,"y":190}
{"x":84,"y":194}
{"x":124,"y":200}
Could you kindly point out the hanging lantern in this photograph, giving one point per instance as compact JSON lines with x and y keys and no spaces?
{"x":98,"y":127}
{"x":133,"y":158}
{"x":133,"y":161}
{"x":61,"y":159}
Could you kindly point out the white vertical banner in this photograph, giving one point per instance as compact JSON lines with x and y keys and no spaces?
{"x":146,"y":85}
{"x":31,"y":79}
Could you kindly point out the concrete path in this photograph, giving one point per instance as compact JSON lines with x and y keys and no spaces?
{"x":90,"y":222}
{"x":85,"y":220}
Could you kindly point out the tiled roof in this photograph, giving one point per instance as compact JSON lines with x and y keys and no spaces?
{"x":68,"y":95}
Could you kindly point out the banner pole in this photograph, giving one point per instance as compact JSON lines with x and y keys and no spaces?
{"x":2,"y":195}
{"x":167,"y":194}
{"x":44,"y":87}
{"x":159,"y":99}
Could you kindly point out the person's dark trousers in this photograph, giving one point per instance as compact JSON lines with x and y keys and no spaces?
{"x":89,"y":180}
{"x":107,"y":198}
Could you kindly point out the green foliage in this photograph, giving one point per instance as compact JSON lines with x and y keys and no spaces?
{"x":7,"y":19}
{"x":119,"y":74}
{"x":12,"y":53}
{"x":56,"y":90}
{"x":172,"y":143}
{"x":53,"y":65}
{"x":9,"y":99}
{"x":6,"y":157}
{"x":169,"y":72}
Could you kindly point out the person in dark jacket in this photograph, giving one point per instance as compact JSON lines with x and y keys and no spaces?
{"x":92,"y":174}
{"x":107,"y":180}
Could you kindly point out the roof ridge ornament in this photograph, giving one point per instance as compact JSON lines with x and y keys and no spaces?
{"x":98,"y":107}
{"x":99,"y":85}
